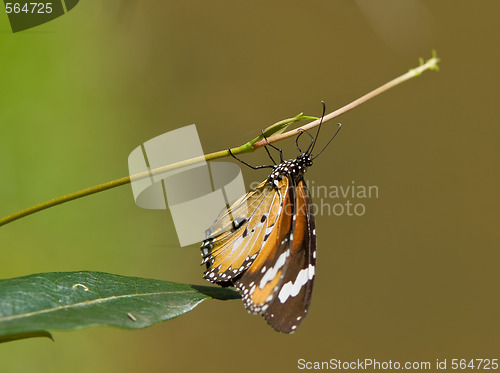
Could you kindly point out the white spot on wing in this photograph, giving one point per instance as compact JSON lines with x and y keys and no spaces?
{"x":292,"y":289}
{"x":237,"y":243}
{"x":271,"y":272}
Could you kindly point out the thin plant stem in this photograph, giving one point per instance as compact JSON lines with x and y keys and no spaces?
{"x":431,"y":64}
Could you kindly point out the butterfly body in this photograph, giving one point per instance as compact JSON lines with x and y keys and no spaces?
{"x":265,"y":246}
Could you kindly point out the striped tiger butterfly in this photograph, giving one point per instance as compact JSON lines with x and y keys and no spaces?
{"x":265,"y":243}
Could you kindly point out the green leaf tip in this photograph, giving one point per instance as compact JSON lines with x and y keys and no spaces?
{"x":217,"y":292}
{"x":33,"y":304}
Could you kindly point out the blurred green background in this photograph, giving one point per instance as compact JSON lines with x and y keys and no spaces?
{"x":416,"y":278}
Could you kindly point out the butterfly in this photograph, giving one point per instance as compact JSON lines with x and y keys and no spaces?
{"x":264,"y":244}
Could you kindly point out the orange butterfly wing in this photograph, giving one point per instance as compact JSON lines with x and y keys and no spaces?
{"x":240,"y":232}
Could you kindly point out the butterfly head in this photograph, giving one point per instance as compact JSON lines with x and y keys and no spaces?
{"x":294,"y":168}
{"x":304,"y":160}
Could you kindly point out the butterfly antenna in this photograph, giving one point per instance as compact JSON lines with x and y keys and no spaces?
{"x":309,"y":151}
{"x":328,"y":143}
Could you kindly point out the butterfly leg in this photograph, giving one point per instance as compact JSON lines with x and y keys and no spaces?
{"x":246,"y":164}
{"x":274,"y":147}
{"x":269,"y":154}
{"x":297,"y":140}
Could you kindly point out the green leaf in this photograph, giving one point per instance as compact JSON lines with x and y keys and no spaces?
{"x":32,"y":304}
{"x":280,"y":127}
